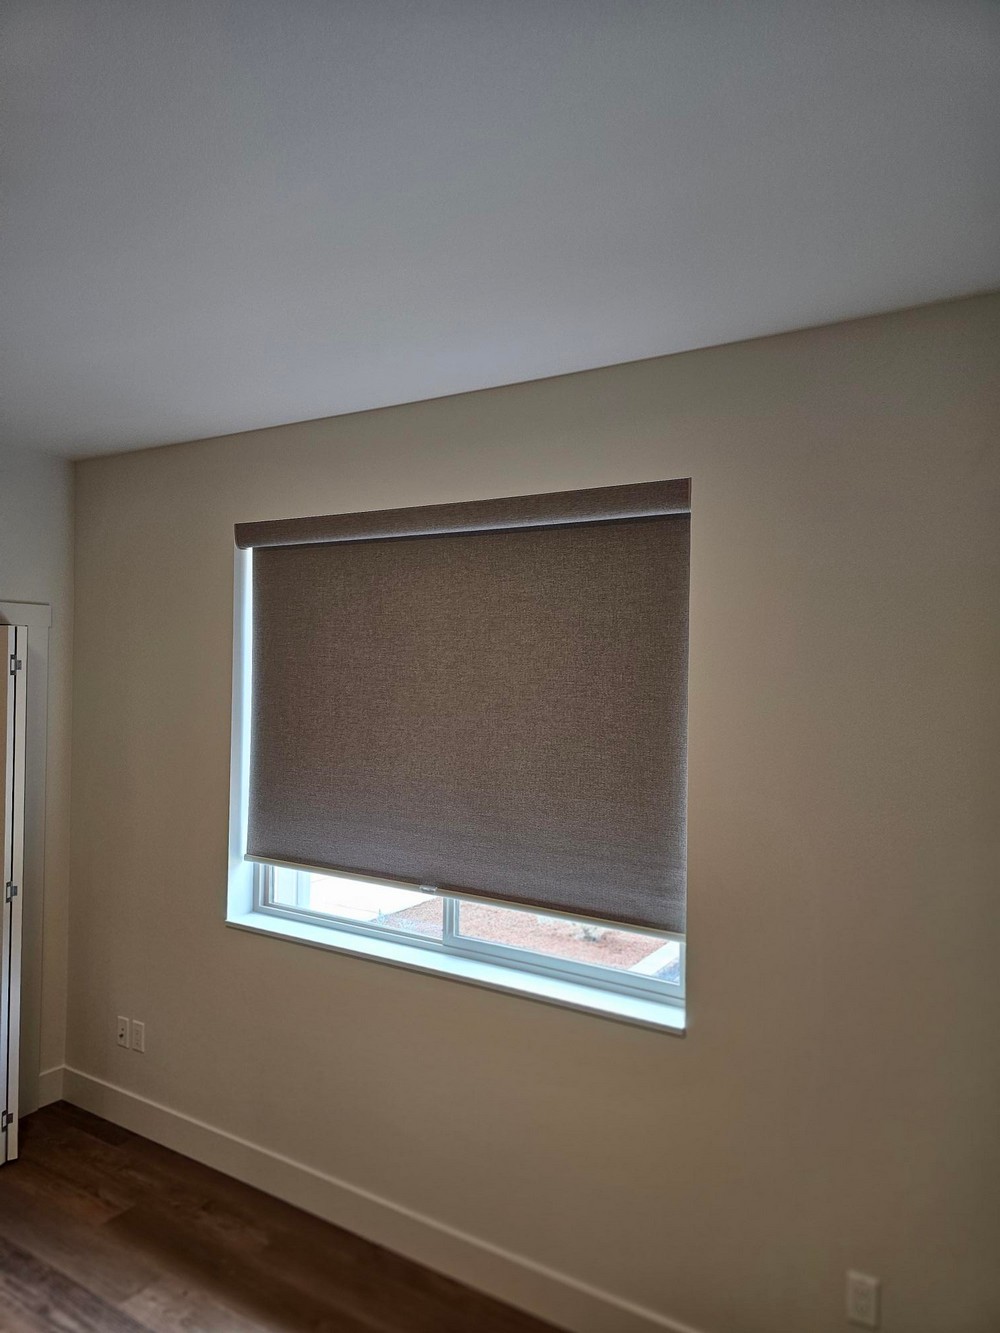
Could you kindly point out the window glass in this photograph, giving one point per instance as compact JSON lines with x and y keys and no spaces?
{"x":393,"y":907}
{"x":575,"y":941}
{"x":504,"y":934}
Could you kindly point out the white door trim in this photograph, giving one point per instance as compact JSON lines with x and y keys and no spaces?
{"x":37,"y":618}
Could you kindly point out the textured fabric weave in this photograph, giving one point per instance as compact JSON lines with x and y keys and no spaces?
{"x":496,"y":712}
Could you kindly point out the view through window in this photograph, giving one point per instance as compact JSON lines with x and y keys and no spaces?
{"x":586,"y":950}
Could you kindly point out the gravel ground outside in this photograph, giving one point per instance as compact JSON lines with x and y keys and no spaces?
{"x":525,"y":930}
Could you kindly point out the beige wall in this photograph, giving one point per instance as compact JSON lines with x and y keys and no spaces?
{"x":36,"y":540}
{"x":836,"y":1100}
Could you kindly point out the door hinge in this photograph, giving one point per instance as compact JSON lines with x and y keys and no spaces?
{"x":15,"y":664}
{"x":10,"y":892}
{"x":6,"y":1120}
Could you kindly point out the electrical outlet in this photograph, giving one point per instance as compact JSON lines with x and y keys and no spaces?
{"x":123,"y":1031}
{"x":138,"y":1036}
{"x":863,"y":1300}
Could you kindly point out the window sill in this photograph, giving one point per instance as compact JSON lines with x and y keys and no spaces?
{"x":664,"y":1016}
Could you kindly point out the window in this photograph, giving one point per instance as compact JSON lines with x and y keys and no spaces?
{"x":460,"y":741}
{"x":586,"y":952}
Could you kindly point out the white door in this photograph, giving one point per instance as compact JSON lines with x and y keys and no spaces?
{"x":13,"y":683}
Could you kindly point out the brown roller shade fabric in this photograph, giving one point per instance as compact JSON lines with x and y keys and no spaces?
{"x":518,"y":511}
{"x":496,"y":712}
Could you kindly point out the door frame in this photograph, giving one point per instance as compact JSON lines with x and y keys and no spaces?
{"x":37,"y":618}
{"x":14,"y":670}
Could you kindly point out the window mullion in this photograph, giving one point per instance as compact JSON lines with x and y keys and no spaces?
{"x":263,"y":885}
{"x":302,"y":887}
{"x":449,"y":927}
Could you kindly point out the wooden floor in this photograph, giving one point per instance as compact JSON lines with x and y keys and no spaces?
{"x":102,"y":1231}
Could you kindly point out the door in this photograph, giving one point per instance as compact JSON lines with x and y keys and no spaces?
{"x":13,"y":679}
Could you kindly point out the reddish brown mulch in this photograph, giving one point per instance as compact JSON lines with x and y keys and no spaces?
{"x":524,"y":930}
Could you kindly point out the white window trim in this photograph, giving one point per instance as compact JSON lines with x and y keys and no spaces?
{"x":520,"y":972}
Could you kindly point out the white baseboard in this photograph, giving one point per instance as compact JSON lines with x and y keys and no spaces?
{"x":50,"y":1085}
{"x":565,"y":1301}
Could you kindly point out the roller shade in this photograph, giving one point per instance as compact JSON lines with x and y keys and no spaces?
{"x":487,"y":697}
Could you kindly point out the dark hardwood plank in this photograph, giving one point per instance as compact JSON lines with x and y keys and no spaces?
{"x":331,"y":1264}
{"x":88,"y":1122}
{"x":100,"y":1219}
{"x":85,"y":1254}
{"x":394,"y":1294}
{"x":171,"y":1306}
{"x":83,"y":1162}
{"x":226,"y":1275}
{"x":218,"y":1209}
{"x":34,"y":1178}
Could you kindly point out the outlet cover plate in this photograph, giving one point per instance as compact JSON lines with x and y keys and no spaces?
{"x":863,"y":1300}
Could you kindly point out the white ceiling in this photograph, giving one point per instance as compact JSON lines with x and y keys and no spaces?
{"x":222,"y":214}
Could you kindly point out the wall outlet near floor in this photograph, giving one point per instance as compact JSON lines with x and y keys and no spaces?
{"x":138,"y":1036}
{"x":123,"y":1031}
{"x":863,"y":1300}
